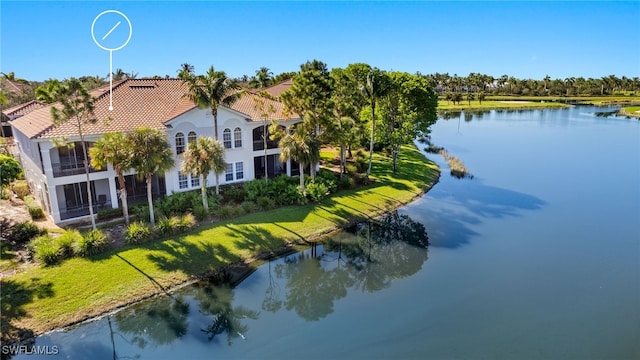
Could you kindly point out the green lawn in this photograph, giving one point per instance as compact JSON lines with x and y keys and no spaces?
{"x":43,"y":298}
{"x":631,"y":111}
{"x":443,"y":105}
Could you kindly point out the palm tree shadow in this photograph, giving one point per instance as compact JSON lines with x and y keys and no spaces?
{"x":15,"y":295}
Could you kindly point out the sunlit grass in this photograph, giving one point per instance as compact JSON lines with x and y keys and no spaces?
{"x":43,"y":298}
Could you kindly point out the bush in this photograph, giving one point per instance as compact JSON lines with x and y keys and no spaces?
{"x":34,"y":208}
{"x":137,"y":232}
{"x":225,"y":212}
{"x":168,"y":226}
{"x":345,"y":183}
{"x":178,"y":203}
{"x":107,"y":214}
{"x":21,"y":188}
{"x":248,"y":206}
{"x":66,"y":242}
{"x":91,"y":243}
{"x":200,"y":212}
{"x":265,"y":203}
{"x":44,"y":249}
{"x":186,"y":222}
{"x":23,"y":232}
{"x":236,"y":195}
{"x":5,"y":194}
{"x":317,"y":191}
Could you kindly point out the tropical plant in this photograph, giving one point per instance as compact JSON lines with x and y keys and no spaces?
{"x":114,"y":148}
{"x":91,"y":243}
{"x":202,"y":157}
{"x":10,"y":170}
{"x":299,"y":146}
{"x":77,"y":107}
{"x":23,"y":232}
{"x":137,"y":232}
{"x":153,"y":155}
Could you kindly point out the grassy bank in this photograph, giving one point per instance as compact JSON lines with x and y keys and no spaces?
{"x":631,"y":111}
{"x":44,"y":298}
{"x":443,"y":105}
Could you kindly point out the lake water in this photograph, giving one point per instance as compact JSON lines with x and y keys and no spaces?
{"x":536,"y":257}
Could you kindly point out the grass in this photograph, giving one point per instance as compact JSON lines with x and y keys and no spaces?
{"x":631,"y":111}
{"x":44,"y":298}
{"x":443,"y":105}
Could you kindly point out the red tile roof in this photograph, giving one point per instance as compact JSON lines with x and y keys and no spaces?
{"x":136,"y":103}
{"x":277,"y":89}
{"x":23,"y":109}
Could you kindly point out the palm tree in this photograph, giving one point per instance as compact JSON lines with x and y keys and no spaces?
{"x":212,"y":90}
{"x":202,"y":157}
{"x":48,"y":93}
{"x":77,"y":107}
{"x":152,"y":155}
{"x":262,"y":78}
{"x":299,"y":146}
{"x":114,"y":148}
{"x":185,"y":70}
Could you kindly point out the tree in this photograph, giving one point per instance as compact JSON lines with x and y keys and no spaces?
{"x":152,"y":155}
{"x":202,"y":157}
{"x":114,"y":148}
{"x":310,"y":98}
{"x":10,"y":170}
{"x":262,"y":79}
{"x":375,"y":84}
{"x":348,"y":102}
{"x":185,"y":71}
{"x":48,"y":93}
{"x":266,"y":113}
{"x":211,"y":90}
{"x":408,"y":110}
{"x":77,"y":107}
{"x":299,"y":146}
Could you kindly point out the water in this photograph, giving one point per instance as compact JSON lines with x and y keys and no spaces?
{"x":536,"y":257}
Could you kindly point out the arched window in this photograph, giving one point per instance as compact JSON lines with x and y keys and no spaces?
{"x":191,"y":138}
{"x":226,"y":138}
{"x":237,"y":138}
{"x":179,"y":143}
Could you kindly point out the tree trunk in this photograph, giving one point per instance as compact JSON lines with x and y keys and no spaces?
{"x":215,"y":124}
{"x":312,"y":171}
{"x":86,"y":171}
{"x":343,"y":161}
{"x":152,"y":218}
{"x":203,"y":191}
{"x":349,"y":151}
{"x":373,"y":131}
{"x":396,"y":150}
{"x":217,"y":184}
{"x":301,"y":167}
{"x":122,"y":194}
{"x":264,"y":143}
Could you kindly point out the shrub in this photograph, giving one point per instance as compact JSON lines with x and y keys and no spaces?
{"x":344,"y":183}
{"x":186,"y":222}
{"x":21,"y":188}
{"x":23,"y":232}
{"x":178,"y":203}
{"x":44,"y":249}
{"x":66,"y":242}
{"x":5,"y":194}
{"x":236,"y":195}
{"x":107,"y":214}
{"x":248,"y":206}
{"x":91,"y":243}
{"x":225,"y":211}
{"x":34,"y":208}
{"x":352,"y":168}
{"x":265,"y":203}
{"x":137,"y":232}
{"x":317,"y":191}
{"x":168,"y":226}
{"x":200,"y":212}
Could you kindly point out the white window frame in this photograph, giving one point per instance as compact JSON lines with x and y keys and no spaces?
{"x":180,"y":144}
{"x":226,"y":138}
{"x":228,"y":176}
{"x":239,"y":170}
{"x":183,"y":180}
{"x":237,"y":137}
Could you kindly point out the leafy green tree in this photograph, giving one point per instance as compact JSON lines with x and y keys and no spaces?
{"x":408,"y":110}
{"x":153,"y":155}
{"x":375,"y":84}
{"x":114,"y":148}
{"x":262,"y":79}
{"x":310,"y":98}
{"x":77,"y":107}
{"x":203,"y":156}
{"x":299,"y":146}
{"x":48,"y":93}
{"x":348,"y":102}
{"x":10,"y":170}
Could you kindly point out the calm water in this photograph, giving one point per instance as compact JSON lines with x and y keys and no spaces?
{"x":536,"y":257}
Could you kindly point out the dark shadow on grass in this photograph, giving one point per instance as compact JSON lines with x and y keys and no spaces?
{"x":15,"y":295}
{"x":156,"y":283}
{"x":194,"y":259}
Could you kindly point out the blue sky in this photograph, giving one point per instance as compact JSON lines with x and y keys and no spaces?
{"x":41,"y":40}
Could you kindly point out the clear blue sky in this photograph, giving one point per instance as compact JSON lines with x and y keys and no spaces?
{"x":42,"y":40}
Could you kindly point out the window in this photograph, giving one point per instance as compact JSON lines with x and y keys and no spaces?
{"x":226,"y":138}
{"x":237,"y":138}
{"x":179,"y":143}
{"x":195,"y":181}
{"x":191,"y":138}
{"x":229,"y":174}
{"x":183,"y":181}
{"x":239,"y":171}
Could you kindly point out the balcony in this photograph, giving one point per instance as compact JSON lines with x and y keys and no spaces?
{"x":68,"y":168}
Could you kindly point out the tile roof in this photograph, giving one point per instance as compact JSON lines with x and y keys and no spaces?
{"x":277,"y":89}
{"x":23,"y":109}
{"x":136,"y":103}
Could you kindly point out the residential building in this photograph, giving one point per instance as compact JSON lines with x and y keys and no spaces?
{"x":56,"y":174}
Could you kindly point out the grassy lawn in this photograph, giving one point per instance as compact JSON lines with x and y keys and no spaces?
{"x":42,"y":298}
{"x":496,"y":104}
{"x":593,"y":100}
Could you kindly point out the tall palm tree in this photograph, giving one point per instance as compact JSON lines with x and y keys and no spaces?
{"x":262,"y":78}
{"x":185,"y":70}
{"x":211,"y":90}
{"x":300,"y":146}
{"x":77,"y":108}
{"x":114,"y":148}
{"x":202,"y":157}
{"x":153,"y":155}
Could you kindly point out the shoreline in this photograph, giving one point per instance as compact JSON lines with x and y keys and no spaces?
{"x":236,"y":270}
